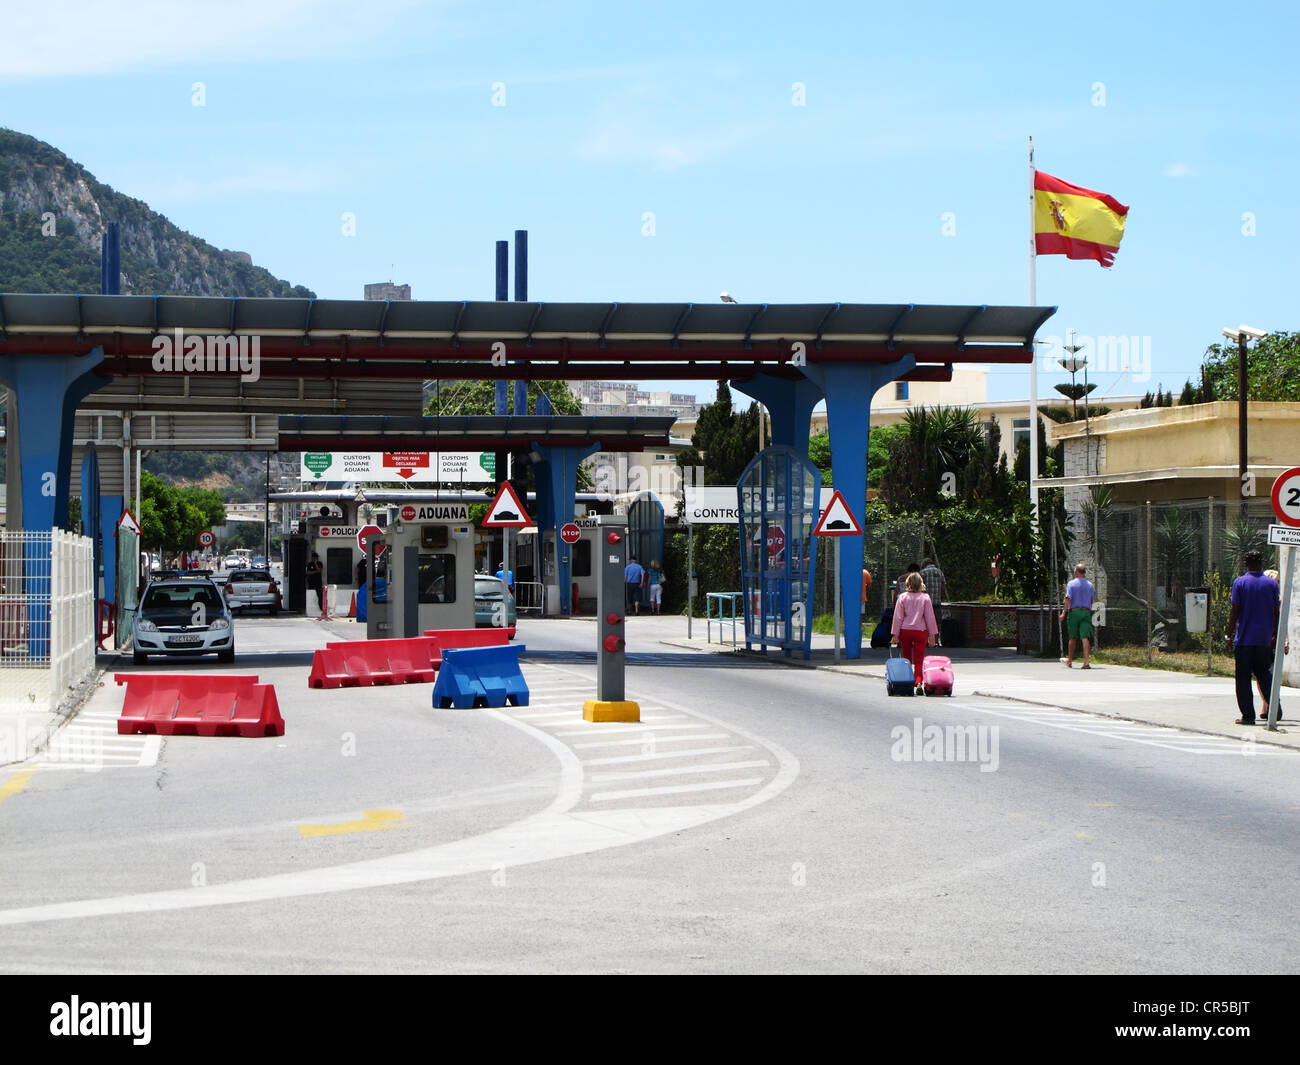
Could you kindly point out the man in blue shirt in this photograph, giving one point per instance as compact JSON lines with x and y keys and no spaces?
{"x":1077,"y":614}
{"x":506,"y":575}
{"x":633,"y":575}
{"x":1252,"y":629}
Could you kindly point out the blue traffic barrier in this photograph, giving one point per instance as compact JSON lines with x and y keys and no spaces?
{"x":480,"y":676}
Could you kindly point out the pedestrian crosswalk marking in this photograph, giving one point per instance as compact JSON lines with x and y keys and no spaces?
{"x":623,"y":759}
{"x":675,"y":789}
{"x":644,"y":774}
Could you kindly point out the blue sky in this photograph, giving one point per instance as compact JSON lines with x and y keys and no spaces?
{"x":1185,"y":112}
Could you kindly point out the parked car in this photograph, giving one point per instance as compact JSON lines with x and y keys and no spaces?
{"x":488,"y":613}
{"x":253,"y":588}
{"x":183,"y":615}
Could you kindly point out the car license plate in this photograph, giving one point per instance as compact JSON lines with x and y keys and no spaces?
{"x":183,"y":641}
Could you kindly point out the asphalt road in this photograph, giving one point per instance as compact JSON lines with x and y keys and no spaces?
{"x":759,"y":819}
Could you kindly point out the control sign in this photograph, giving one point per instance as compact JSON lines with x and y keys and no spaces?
{"x":570,"y":533}
{"x":837,"y":519}
{"x":1286,"y":497}
{"x":506,"y":511}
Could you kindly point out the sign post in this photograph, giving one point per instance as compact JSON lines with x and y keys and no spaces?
{"x":1286,"y":505}
{"x":837,"y":520}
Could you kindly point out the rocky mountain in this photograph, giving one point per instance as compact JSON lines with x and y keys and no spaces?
{"x":53,"y":213}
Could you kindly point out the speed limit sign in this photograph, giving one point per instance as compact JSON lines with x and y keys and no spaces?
{"x":206,"y":539}
{"x":1286,"y":497}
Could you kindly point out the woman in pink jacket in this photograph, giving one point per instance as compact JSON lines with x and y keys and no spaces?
{"x":914,"y":625}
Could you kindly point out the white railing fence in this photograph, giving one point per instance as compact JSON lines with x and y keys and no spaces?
{"x":72,"y":613}
{"x":47,"y":617}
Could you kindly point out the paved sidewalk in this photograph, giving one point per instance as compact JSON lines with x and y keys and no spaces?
{"x":1152,"y":696}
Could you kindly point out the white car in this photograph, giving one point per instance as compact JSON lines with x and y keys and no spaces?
{"x":183,"y":616}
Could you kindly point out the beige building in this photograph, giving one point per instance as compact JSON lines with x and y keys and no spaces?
{"x":1177,"y":453}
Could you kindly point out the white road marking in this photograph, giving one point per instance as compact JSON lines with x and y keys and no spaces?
{"x":654,"y":739}
{"x":623,"y":759}
{"x":674,"y":789}
{"x":556,"y":832}
{"x":645,"y":774}
{"x":1148,"y":735}
{"x":607,"y":727}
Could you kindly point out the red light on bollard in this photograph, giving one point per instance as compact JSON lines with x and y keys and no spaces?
{"x":612,"y":619}
{"x":613,"y":538}
{"x":613,"y":643}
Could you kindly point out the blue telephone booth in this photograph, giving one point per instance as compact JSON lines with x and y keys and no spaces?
{"x":779,"y":493}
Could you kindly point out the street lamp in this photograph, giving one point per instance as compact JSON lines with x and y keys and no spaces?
{"x":1239,"y":335}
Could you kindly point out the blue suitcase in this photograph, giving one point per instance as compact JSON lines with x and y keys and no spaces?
{"x":899,"y":677}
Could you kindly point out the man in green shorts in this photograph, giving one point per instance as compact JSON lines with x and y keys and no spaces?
{"x":1077,"y":615}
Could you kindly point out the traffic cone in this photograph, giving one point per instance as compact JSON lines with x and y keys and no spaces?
{"x":352,"y":609}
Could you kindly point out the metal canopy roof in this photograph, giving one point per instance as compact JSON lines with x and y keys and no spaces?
{"x":368,"y":433}
{"x":350,"y":339}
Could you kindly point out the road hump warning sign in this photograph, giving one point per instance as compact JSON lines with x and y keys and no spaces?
{"x":507,"y":510}
{"x":837,"y":519}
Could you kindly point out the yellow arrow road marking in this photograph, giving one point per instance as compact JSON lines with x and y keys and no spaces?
{"x":15,"y":784}
{"x":371,"y":821}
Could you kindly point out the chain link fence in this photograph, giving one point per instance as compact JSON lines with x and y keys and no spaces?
{"x":1143,"y":559}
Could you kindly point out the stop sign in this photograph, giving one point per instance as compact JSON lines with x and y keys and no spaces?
{"x":570,"y":533}
{"x":775,"y":541}
{"x":408,"y":513}
{"x":368,"y":532}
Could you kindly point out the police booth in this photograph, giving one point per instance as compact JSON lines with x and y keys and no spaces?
{"x":331,"y":532}
{"x":429,"y":548}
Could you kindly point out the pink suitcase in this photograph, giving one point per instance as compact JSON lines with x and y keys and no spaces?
{"x":936,"y":674}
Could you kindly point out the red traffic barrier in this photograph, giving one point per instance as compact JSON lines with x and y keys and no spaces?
{"x":460,"y":638}
{"x":202,"y":704}
{"x":364,"y":663}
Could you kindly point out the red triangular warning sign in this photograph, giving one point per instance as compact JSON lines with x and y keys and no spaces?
{"x":837,"y":519}
{"x":506,"y":511}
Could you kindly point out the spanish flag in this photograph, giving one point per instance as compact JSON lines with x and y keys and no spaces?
{"x":1074,"y":221}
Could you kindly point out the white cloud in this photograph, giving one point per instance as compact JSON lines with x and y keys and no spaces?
{"x":72,"y":38}
{"x":1177,"y":170}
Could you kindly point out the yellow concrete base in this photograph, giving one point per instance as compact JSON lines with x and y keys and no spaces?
{"x":598,"y":710}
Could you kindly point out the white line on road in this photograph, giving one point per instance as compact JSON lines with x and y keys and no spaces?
{"x":653,"y":740}
{"x":556,"y":832}
{"x":646,"y":774}
{"x":624,"y":759}
{"x":605,"y":728}
{"x":674,"y":789}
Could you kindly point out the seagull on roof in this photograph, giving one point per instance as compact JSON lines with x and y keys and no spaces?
{"x":726,"y":298}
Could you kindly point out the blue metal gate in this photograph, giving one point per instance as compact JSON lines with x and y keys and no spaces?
{"x":779,"y":494}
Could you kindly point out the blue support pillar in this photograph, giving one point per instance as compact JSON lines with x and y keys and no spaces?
{"x":556,"y":474}
{"x":849,"y":388}
{"x":790,"y":403}
{"x":46,"y":390}
{"x":110,"y":513}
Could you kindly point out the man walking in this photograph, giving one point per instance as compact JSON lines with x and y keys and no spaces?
{"x":1252,"y":629}
{"x":314,"y":569}
{"x":633,"y":575}
{"x":935,"y":585}
{"x":1077,"y":614}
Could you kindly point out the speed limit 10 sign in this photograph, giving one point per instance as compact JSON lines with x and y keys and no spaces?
{"x":1286,"y":497}
{"x":206,"y":539}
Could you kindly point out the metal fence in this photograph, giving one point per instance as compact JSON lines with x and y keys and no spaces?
{"x":1143,"y":558}
{"x":47,"y":617}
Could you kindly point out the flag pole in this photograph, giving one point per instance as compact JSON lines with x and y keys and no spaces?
{"x":1033,"y":363}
